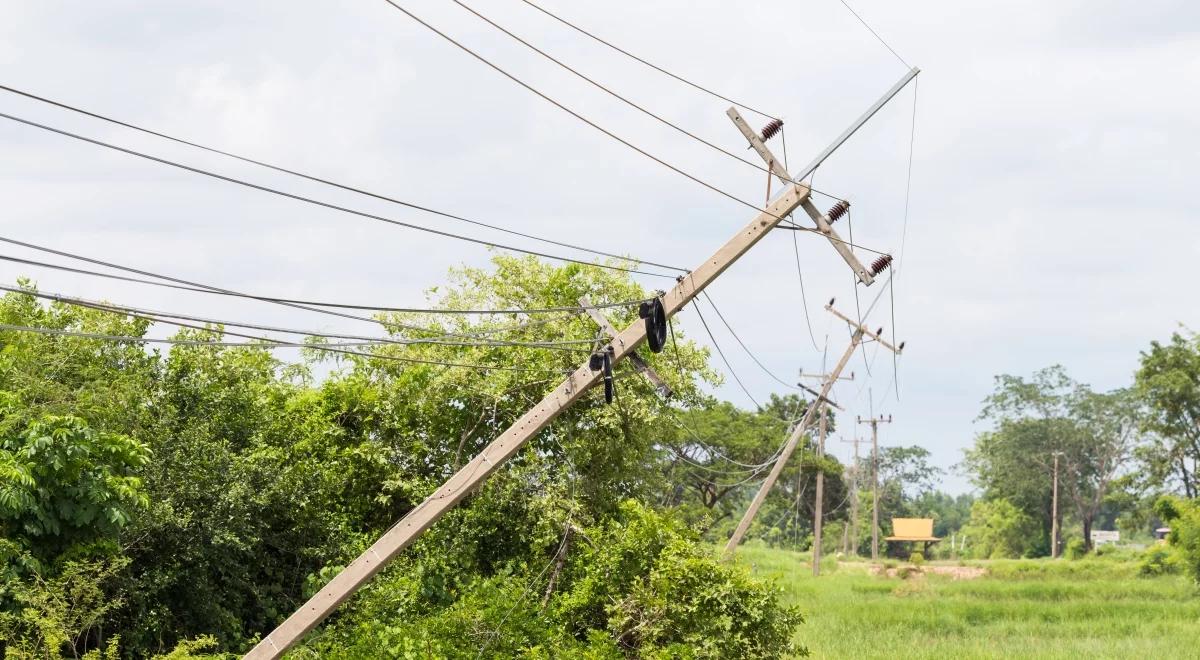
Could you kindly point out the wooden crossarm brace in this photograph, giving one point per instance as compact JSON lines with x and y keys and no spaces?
{"x":821,"y":220}
{"x":639,"y":363}
{"x":820,"y":397}
{"x":866,"y":331}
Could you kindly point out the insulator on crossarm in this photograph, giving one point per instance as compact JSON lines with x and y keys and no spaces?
{"x":838,"y":211}
{"x":771,"y":129}
{"x":881,"y":264}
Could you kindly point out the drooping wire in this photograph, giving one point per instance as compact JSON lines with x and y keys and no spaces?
{"x":724,"y":359}
{"x":391,"y":325}
{"x":796,"y":249}
{"x":643,"y":61}
{"x":575,"y":114}
{"x":381,"y":308}
{"x":167,"y":317}
{"x":262,"y":342}
{"x":610,"y":92}
{"x":743,"y":344}
{"x":872,"y":30}
{"x":324,"y":181}
{"x":322,"y":204}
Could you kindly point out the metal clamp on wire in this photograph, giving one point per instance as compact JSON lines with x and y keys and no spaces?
{"x":656,"y":323}
{"x":602,"y":361}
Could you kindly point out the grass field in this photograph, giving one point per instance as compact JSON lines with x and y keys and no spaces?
{"x":1091,"y":608}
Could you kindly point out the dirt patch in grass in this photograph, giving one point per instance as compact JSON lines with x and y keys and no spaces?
{"x":953,"y":572}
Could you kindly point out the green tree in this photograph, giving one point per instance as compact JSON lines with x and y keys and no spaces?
{"x":997,"y":529}
{"x":1169,"y":381}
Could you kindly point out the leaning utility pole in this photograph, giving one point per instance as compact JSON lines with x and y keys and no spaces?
{"x":860,"y":331}
{"x":1054,"y":511}
{"x":479,"y":468}
{"x":875,"y":422}
{"x":819,"y":505}
{"x":854,"y":499}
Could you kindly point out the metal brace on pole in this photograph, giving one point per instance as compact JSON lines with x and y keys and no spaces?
{"x":639,"y":363}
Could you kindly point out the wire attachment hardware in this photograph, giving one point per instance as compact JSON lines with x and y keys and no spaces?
{"x":656,"y":324}
{"x":881,"y":264}
{"x":838,"y":211}
{"x":772,"y":127}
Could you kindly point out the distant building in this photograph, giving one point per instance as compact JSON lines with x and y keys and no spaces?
{"x":1161,"y":533}
{"x":907,"y":532}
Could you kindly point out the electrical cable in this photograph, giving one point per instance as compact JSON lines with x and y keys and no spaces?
{"x":872,"y":30}
{"x":322,"y":204}
{"x":652,"y":66}
{"x":391,"y":325}
{"x":164,"y":317}
{"x":743,"y":345}
{"x":574,"y":114}
{"x":796,"y":249}
{"x":724,"y":359}
{"x":265,"y":343}
{"x":612,"y":93}
{"x":381,"y":308}
{"x":328,"y":182}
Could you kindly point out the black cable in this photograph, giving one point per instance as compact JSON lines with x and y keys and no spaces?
{"x":796,"y":250}
{"x":743,"y":345}
{"x":652,"y":66}
{"x":391,"y":325}
{"x":574,"y":114}
{"x":381,"y":308}
{"x":725,"y":359}
{"x":612,"y":93}
{"x":324,"y":181}
{"x":164,"y":317}
{"x":317,"y":202}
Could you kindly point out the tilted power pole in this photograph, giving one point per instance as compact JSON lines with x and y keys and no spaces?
{"x":860,"y":331}
{"x":1054,"y":511}
{"x":875,"y":422}
{"x":486,"y":462}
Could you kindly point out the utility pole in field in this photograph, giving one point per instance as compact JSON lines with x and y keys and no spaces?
{"x":859,"y":333}
{"x":1054,"y":511}
{"x":819,"y":505}
{"x":875,"y":422}
{"x":853,"y":527}
{"x":652,"y":326}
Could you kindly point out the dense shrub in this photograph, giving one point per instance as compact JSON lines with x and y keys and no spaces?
{"x":1184,"y":518}
{"x":917,"y":558}
{"x":1075,"y":549}
{"x":1160,"y":560}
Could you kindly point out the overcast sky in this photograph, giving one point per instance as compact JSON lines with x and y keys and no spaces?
{"x":1052,"y":200}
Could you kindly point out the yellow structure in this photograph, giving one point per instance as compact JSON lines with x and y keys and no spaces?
{"x":912,"y":529}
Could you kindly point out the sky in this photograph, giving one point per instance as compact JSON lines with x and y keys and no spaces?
{"x":1050,"y":213}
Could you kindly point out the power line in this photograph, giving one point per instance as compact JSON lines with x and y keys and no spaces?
{"x":872,"y":30}
{"x":724,"y":359}
{"x":264,"y":343}
{"x":165,"y":317}
{"x":652,"y":66}
{"x":328,"y":182}
{"x":574,"y":114}
{"x":317,"y":202}
{"x":381,"y":308}
{"x":744,"y":347}
{"x":391,"y":325}
{"x":612,"y":93}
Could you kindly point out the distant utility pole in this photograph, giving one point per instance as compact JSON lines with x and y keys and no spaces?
{"x":1054,"y":511}
{"x":818,"y":507}
{"x":853,"y":542}
{"x":875,"y":422}
{"x":860,"y":332}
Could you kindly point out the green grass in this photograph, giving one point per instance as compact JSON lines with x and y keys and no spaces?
{"x":1093,"y":608}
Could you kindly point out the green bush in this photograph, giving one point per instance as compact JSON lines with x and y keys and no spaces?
{"x":999,"y":530}
{"x":917,"y":558}
{"x":1160,"y":559}
{"x":1075,"y":549}
{"x":1184,"y":518}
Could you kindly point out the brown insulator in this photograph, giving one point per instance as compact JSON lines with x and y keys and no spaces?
{"x":881,"y":264}
{"x":838,"y":211}
{"x":771,"y":129}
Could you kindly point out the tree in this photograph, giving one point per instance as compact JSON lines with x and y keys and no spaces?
{"x":999,"y":530}
{"x":1169,"y":381}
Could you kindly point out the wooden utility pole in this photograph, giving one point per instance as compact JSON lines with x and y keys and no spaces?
{"x":479,"y":468}
{"x":854,"y":499}
{"x":819,"y":505}
{"x":1054,"y":511}
{"x":860,"y":331}
{"x":875,"y":422}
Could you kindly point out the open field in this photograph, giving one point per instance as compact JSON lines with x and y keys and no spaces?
{"x":1093,"y":608}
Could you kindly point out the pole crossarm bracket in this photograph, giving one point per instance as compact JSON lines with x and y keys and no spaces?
{"x":822,"y":221}
{"x":877,"y":335}
{"x":638,"y":361}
